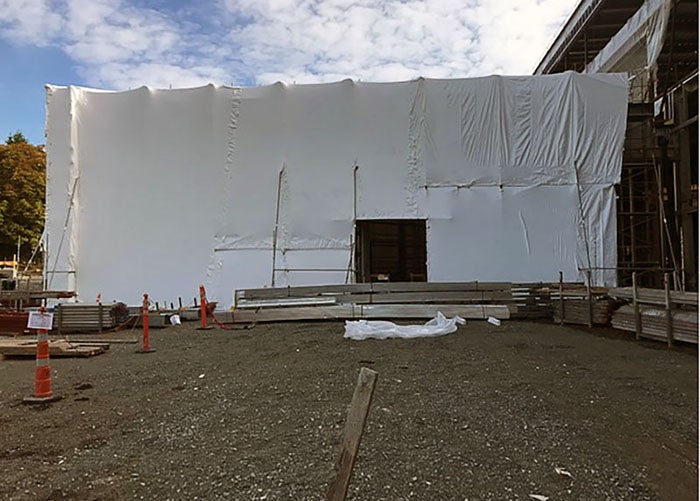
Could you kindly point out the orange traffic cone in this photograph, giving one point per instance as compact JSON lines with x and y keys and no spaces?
{"x":42,"y":374}
{"x":203,"y":309}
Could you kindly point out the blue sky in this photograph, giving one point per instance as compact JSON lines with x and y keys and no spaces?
{"x":122,"y":44}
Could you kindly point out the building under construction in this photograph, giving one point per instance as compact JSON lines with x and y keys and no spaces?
{"x":656,"y":43}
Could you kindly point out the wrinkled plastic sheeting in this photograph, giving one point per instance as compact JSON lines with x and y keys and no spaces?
{"x":381,"y":329}
{"x":638,"y":43}
{"x":526,"y":163}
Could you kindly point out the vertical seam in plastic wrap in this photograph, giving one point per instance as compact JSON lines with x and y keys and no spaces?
{"x":525,"y":235}
{"x":72,"y":210}
{"x":417,"y":131}
{"x":48,"y":193}
{"x":215,"y":267}
{"x":74,"y":206}
{"x":417,"y":128}
{"x":575,"y":148}
{"x":283,"y":236}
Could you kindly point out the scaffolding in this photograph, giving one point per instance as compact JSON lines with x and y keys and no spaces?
{"x":638,"y":222}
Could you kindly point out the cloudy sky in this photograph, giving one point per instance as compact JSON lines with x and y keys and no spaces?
{"x":121,"y":44}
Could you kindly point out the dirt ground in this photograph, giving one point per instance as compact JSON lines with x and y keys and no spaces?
{"x":485,"y":413}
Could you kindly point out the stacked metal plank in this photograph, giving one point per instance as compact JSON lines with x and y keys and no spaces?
{"x":77,"y":317}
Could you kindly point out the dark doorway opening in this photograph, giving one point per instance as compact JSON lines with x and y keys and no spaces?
{"x":392,"y":250}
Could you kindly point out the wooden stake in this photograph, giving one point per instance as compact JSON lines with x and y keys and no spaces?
{"x":561,"y":297}
{"x":669,"y":316}
{"x":354,"y":426}
{"x":101,"y":316}
{"x":590,"y":299}
{"x":635,"y":303}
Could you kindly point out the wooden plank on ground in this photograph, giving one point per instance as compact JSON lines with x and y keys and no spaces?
{"x":20,"y":348}
{"x":101,"y":340}
{"x":655,"y":296}
{"x":435,"y":297}
{"x":399,"y":311}
{"x":369,"y":311}
{"x":352,"y":434}
{"x":445,"y":297}
{"x":367,"y":288}
{"x":302,"y":291}
{"x":333,"y":312}
{"x":285,"y":302}
{"x":438,"y":286}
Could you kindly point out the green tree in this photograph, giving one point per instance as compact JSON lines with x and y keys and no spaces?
{"x":22,"y":192}
{"x":16,"y":138}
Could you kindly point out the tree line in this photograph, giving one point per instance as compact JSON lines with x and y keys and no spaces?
{"x":22,"y":195}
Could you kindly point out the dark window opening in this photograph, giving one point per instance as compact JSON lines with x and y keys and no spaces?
{"x":391,"y":250}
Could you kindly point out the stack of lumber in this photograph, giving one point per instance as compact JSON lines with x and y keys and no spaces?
{"x":576,"y":311}
{"x":18,"y":299}
{"x":77,"y":317}
{"x":60,"y":348}
{"x":571,"y":305}
{"x":393,"y":300}
{"x":654,"y":310}
{"x":655,"y":296}
{"x":653,"y":323}
{"x":532,"y":300}
{"x":26,"y":295}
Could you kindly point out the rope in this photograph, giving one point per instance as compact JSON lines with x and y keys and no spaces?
{"x":219,"y":323}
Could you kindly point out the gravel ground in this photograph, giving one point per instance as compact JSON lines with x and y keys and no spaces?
{"x":484,"y":413}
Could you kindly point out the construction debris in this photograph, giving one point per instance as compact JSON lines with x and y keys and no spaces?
{"x":60,"y":348}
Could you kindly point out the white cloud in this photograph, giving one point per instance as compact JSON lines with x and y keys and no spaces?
{"x":118,"y":44}
{"x":158,"y":75}
{"x":307,"y":40}
{"x":29,"y":21}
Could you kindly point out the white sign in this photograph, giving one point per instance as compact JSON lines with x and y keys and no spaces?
{"x":38,"y":320}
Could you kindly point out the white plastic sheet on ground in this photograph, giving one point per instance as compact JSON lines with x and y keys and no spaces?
{"x":381,"y":329}
{"x":160,"y":190}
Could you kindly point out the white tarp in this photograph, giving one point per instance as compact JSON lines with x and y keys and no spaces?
{"x":513,"y":175}
{"x":636,"y":47}
{"x":360,"y":330}
{"x":638,"y":43}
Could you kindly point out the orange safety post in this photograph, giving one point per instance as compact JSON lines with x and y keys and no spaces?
{"x":146,"y":347}
{"x":42,"y":374}
{"x":203,"y":309}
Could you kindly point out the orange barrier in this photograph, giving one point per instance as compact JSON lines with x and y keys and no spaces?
{"x":42,"y":373}
{"x":203,"y":309}
{"x":145,"y":347}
